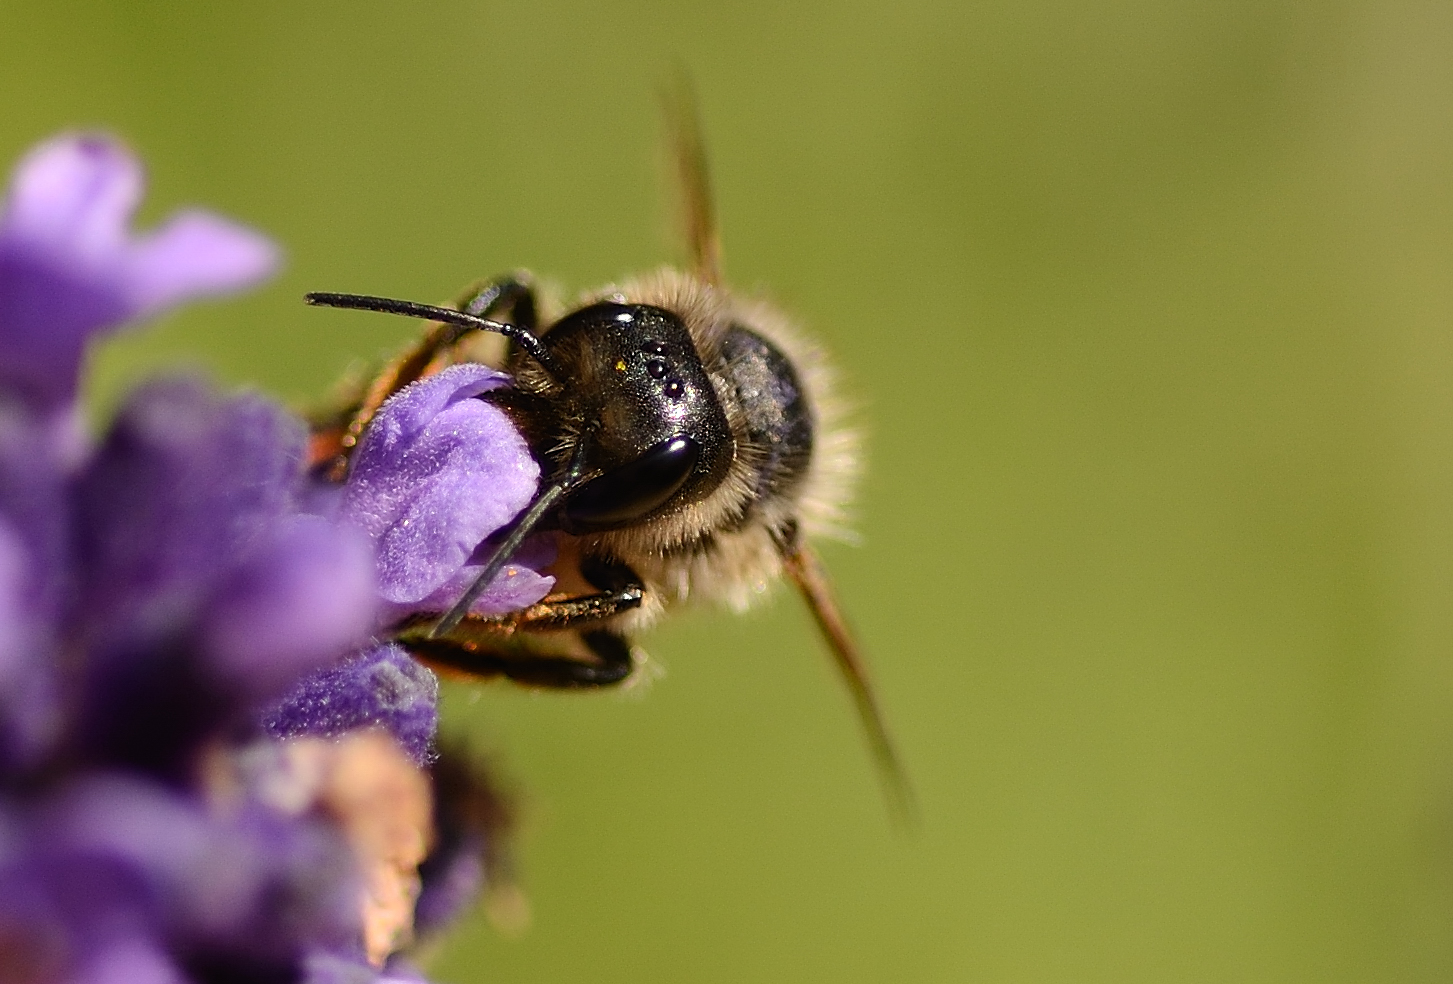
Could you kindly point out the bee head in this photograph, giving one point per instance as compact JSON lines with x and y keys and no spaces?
{"x":634,"y":388}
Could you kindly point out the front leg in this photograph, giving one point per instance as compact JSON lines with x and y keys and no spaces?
{"x":516,"y":644}
{"x":606,"y":661}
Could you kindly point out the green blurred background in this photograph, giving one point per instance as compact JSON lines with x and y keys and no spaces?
{"x":1149,"y":308}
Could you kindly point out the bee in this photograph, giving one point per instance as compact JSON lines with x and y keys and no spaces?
{"x":690,"y":446}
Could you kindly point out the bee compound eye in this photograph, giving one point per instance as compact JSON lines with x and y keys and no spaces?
{"x":633,"y":491}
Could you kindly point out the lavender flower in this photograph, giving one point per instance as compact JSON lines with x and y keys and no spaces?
{"x":166,"y":601}
{"x":69,"y":269}
{"x":381,"y":687}
{"x":201,"y":593}
{"x":437,"y":472}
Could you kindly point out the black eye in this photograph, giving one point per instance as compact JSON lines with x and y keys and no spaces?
{"x":632,"y":491}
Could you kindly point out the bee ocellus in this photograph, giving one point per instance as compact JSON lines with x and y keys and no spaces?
{"x":690,"y":447}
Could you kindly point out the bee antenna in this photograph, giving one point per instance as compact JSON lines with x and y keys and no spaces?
{"x":522,"y":337}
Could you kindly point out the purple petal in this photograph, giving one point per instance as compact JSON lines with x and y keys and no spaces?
{"x":34,"y":499}
{"x":381,"y":688}
{"x":73,"y":194}
{"x":517,"y":586}
{"x":46,"y":314}
{"x":251,"y":881}
{"x":154,"y":831}
{"x":128,"y":961}
{"x":185,"y":492}
{"x":13,"y":634}
{"x":321,"y":967}
{"x":401,"y":971}
{"x":68,"y":267}
{"x":303,"y":597}
{"x":452,"y":883}
{"x":439,"y":471}
{"x":195,"y":255}
{"x":182,"y":482}
{"x":330,"y":968}
{"x":29,"y":704}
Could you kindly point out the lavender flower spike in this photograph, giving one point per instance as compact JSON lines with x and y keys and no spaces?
{"x":159,"y":590}
{"x":70,"y":269}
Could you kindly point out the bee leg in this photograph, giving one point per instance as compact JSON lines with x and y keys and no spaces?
{"x":510,"y":297}
{"x":545,"y":616}
{"x":505,"y":645}
{"x":621,"y":590}
{"x":568,"y":613}
{"x":607,"y":659}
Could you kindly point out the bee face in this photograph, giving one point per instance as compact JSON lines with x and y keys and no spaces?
{"x":658,"y":438}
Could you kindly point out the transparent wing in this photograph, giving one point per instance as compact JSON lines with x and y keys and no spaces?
{"x":688,"y":156}
{"x":806,"y":572}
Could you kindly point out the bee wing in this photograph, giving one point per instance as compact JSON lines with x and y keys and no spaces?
{"x":807,"y":573}
{"x":688,"y":155}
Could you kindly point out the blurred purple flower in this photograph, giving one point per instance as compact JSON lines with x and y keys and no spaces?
{"x":201,"y":595}
{"x":437,"y":473}
{"x":69,"y":268}
{"x":472,"y":820}
{"x":190,"y":595}
{"x":162,"y":590}
{"x":327,"y":968}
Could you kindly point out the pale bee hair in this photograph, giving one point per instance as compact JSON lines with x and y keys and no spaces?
{"x":725,"y":549}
